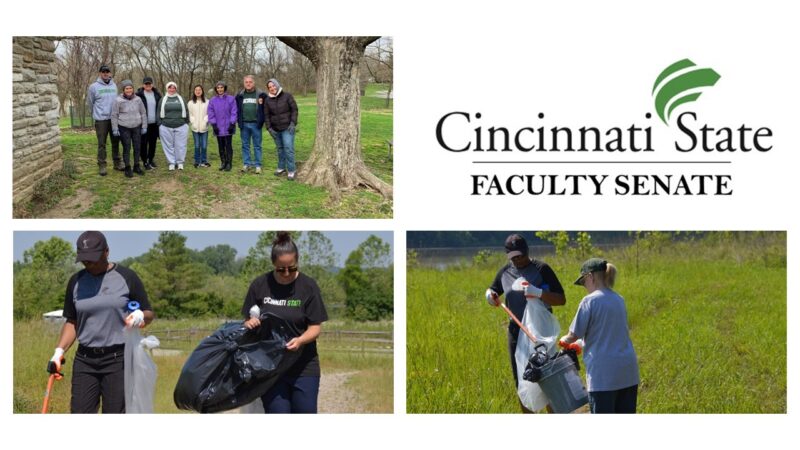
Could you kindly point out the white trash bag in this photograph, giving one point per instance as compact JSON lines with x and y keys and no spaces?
{"x":545,"y":328}
{"x":140,"y":372}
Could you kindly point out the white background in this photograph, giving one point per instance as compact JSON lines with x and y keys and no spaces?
{"x":583,"y":63}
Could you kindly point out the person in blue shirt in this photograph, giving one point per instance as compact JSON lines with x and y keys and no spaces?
{"x":612,"y":370}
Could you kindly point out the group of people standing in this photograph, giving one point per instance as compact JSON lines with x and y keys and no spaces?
{"x":138,"y":119}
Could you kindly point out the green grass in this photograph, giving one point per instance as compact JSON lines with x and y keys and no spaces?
{"x":371,"y":380}
{"x":707,"y":320}
{"x":209,"y":193}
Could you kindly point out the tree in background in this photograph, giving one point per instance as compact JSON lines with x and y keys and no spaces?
{"x":41,"y":280}
{"x":318,"y":260}
{"x":368,"y":281}
{"x":336,"y":162}
{"x":174,"y":281}
{"x":221,"y":258}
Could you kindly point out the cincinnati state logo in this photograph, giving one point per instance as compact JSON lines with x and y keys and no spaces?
{"x":680,"y":83}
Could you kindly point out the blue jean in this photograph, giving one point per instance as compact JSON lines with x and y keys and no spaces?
{"x":622,"y":401}
{"x":200,"y":146}
{"x":284,"y":142}
{"x":296,"y":395}
{"x":251,"y":130}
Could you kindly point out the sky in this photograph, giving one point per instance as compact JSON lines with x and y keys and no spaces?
{"x":124,"y":244}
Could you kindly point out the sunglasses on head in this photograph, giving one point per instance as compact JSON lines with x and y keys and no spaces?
{"x":290,"y":269}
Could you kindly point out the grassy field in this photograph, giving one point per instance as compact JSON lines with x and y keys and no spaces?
{"x":78,"y":191}
{"x":367,"y":376}
{"x":707,"y":320}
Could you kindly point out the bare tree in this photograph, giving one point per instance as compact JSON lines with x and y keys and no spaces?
{"x":379,"y":62}
{"x":336,"y":162}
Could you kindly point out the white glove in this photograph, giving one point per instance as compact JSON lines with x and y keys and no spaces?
{"x":255,"y":312}
{"x":54,"y":365}
{"x":135,"y":319}
{"x":529,"y":290}
{"x":491,"y":298}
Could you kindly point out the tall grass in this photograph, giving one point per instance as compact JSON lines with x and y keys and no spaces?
{"x":370,"y":381}
{"x":707,"y":320}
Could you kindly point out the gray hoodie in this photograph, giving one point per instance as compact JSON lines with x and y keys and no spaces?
{"x":128,"y":113}
{"x":101,"y":98}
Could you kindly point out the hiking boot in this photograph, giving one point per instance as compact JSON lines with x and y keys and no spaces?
{"x":258,"y":170}
{"x":291,"y":176}
{"x":103,"y":171}
{"x":228,"y":166}
{"x":137,"y":169}
{"x":147,"y":166}
{"x":280,"y":172}
{"x":128,"y":171}
{"x":196,"y":165}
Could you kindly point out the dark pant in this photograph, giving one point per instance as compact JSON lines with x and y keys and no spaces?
{"x":622,"y":401}
{"x":296,"y":395}
{"x":149,"y":143}
{"x":225,"y":144}
{"x":103,"y":129}
{"x":130,"y":136}
{"x":95,"y":378}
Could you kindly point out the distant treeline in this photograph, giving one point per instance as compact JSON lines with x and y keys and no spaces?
{"x":433,"y":239}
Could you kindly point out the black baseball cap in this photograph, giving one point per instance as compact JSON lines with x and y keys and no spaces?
{"x":104,"y":68}
{"x":591,"y":265}
{"x":516,"y":246}
{"x":147,"y":80}
{"x":90,"y":246}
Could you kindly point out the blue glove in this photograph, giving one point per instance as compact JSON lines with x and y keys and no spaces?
{"x":115,"y":133}
{"x":144,"y":131}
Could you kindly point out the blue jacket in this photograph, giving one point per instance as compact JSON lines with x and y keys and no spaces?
{"x":101,"y":98}
{"x":240,"y":98}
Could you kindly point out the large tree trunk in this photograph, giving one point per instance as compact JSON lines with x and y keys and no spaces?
{"x":336,"y":163}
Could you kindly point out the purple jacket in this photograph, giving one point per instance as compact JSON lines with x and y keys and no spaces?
{"x":222,"y":113}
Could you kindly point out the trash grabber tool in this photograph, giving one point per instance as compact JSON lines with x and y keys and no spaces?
{"x":519,"y":324}
{"x":46,"y":403}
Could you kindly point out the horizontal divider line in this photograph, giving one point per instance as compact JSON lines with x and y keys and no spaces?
{"x":601,"y":162}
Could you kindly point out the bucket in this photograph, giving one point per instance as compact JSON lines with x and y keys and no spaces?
{"x":559,"y":380}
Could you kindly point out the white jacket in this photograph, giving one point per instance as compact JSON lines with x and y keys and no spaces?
{"x":198,"y":116}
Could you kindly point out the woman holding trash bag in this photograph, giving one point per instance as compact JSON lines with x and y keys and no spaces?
{"x":295,"y":297}
{"x":99,"y":304}
{"x":520,"y":280}
{"x":612,"y":370}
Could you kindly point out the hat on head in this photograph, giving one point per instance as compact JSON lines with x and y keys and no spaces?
{"x":126,"y":83}
{"x":104,"y":68}
{"x":591,"y":265}
{"x":90,"y":246}
{"x":171,"y":83}
{"x":516,"y":246}
{"x":147,"y":80}
{"x":221,"y":83}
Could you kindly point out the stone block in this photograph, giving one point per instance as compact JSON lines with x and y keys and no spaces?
{"x":31,"y":111}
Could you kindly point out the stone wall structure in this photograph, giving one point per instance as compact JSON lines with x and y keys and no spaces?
{"x":36,"y":136}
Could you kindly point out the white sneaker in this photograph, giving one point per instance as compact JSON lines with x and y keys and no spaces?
{"x":180,"y":166}
{"x":172,"y":167}
{"x":258,"y":170}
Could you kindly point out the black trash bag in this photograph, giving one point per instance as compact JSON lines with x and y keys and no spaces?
{"x":234,"y":366}
{"x":537,"y":363}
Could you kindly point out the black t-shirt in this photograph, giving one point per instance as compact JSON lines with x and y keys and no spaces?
{"x":538,"y":273}
{"x":299,"y":303}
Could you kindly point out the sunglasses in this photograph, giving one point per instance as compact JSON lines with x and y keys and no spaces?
{"x":290,"y":269}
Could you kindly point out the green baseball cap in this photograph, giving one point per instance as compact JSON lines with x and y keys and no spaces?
{"x":591,"y":265}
